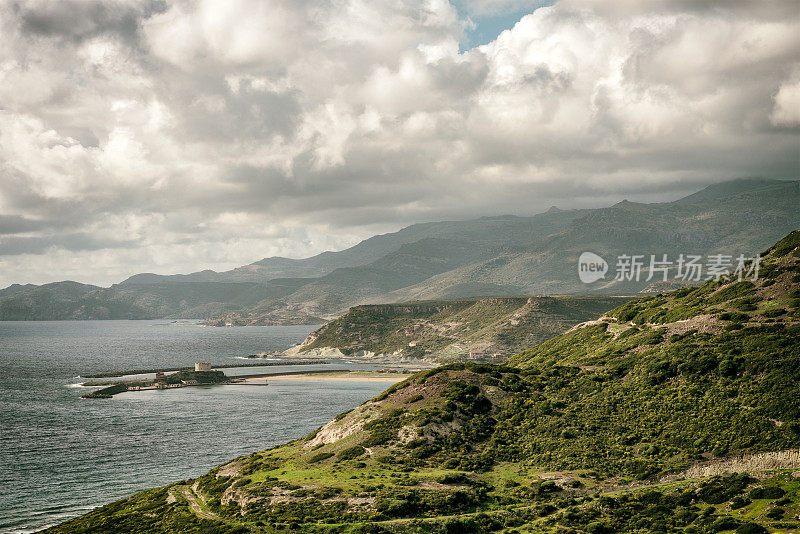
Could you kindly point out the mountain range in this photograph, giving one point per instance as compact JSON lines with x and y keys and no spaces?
{"x":490,"y":256}
{"x":675,"y":412}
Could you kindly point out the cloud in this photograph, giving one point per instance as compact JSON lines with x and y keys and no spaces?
{"x":786,"y":111}
{"x":174,"y":136}
{"x":79,"y":20}
{"x":495,"y":8}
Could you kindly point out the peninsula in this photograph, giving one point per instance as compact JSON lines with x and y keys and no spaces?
{"x":202,"y":375}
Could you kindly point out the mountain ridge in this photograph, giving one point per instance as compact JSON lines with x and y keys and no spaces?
{"x":677,"y":412}
{"x":448,"y":330}
{"x":504,"y":256}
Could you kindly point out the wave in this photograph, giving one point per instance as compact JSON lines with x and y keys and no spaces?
{"x":49,"y":519}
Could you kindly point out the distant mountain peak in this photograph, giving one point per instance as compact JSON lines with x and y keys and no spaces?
{"x":732,"y":188}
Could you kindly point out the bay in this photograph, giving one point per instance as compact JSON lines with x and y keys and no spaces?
{"x":61,"y":455}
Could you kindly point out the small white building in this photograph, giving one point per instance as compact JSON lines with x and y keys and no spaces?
{"x":476,"y":354}
{"x":202,"y":366}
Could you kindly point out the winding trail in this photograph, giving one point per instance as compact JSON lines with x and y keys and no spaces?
{"x":195,"y":505}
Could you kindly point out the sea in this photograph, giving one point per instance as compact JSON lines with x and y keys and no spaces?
{"x":62,"y":456}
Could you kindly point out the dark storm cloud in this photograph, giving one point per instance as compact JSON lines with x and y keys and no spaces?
{"x":16,"y":224}
{"x":79,"y":20}
{"x":11,"y":246}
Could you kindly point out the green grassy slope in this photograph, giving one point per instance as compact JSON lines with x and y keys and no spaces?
{"x":629,"y":423}
{"x":450,"y":329}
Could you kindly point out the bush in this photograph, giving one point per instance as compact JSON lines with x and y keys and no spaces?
{"x":776,"y":513}
{"x":342,"y":415}
{"x":352,"y":452}
{"x":596,"y":527}
{"x":719,"y":489}
{"x":548,"y":486}
{"x":772,"y":492}
{"x":739,"y":317}
{"x":751,"y":528}
{"x":453,"y":478}
{"x":378,"y":437}
{"x":738,"y":502}
{"x":724,"y":523}
{"x":568,"y":433}
{"x":319,"y":457}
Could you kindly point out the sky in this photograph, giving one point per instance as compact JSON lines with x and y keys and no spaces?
{"x":172,"y":136}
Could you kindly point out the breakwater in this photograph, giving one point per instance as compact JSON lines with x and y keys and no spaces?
{"x":106,"y":393}
{"x":115,"y":374}
{"x":290,"y":373}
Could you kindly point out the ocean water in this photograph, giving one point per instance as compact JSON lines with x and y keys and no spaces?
{"x":61,"y":455}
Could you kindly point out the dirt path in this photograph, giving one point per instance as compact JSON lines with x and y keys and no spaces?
{"x":196,"y":507}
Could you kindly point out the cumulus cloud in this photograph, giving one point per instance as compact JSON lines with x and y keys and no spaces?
{"x":786,"y":111}
{"x":178,"y":135}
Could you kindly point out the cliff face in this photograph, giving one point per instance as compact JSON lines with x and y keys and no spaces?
{"x":482,"y":328}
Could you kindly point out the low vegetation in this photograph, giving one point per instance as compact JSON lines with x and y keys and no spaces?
{"x":657,"y":417}
{"x":450,"y":330}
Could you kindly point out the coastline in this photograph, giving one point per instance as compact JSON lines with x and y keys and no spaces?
{"x":342,"y":376}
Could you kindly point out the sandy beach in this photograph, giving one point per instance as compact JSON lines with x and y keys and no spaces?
{"x":337,"y":377}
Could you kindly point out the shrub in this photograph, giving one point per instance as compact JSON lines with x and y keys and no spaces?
{"x":568,"y":433}
{"x":341,"y":415}
{"x":724,"y":523}
{"x":750,"y":528}
{"x":738,"y":502}
{"x":548,"y":486}
{"x":319,"y":457}
{"x":776,"y":513}
{"x":352,"y":452}
{"x":596,"y":527}
{"x":453,"y":478}
{"x":719,"y":489}
{"x":378,"y":437}
{"x":772,"y":492}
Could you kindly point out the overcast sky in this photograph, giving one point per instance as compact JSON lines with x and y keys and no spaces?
{"x":171,"y":136}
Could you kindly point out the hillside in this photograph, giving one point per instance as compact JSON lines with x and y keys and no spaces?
{"x":453,"y":329}
{"x":486,"y":231}
{"x":72,"y":301}
{"x":490,"y":256}
{"x":539,"y":255}
{"x":730,"y":218}
{"x":632,"y":422}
